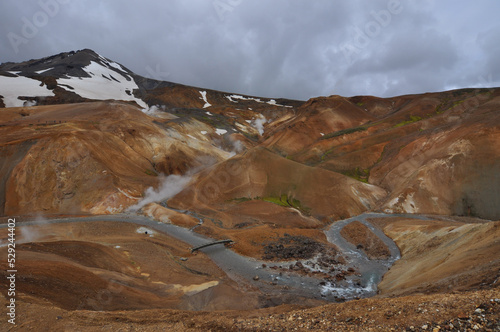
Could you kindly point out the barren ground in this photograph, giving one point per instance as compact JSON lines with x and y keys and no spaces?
{"x":107,"y":276}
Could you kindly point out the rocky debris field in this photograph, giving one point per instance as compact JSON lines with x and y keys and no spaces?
{"x":292,"y":247}
{"x":474,"y":311}
{"x":461,"y":311}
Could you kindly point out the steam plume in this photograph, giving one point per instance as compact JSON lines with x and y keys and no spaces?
{"x":169,"y":187}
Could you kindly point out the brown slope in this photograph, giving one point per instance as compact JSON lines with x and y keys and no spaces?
{"x":317,"y":116}
{"x":442,"y":256}
{"x":183,"y":96}
{"x":260,"y":173}
{"x":440,"y":148}
{"x":450,"y":165}
{"x":112,"y":266}
{"x":91,"y":157}
{"x":258,"y":197}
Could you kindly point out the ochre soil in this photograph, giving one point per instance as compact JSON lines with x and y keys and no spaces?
{"x":465,"y":311}
{"x":105,"y":276}
{"x":110,"y":266}
{"x":442,"y":256}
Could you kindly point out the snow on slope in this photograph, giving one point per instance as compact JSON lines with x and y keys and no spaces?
{"x":13,"y":87}
{"x":270,"y":102}
{"x":43,"y":70}
{"x":204,"y":97}
{"x":104,"y":83}
{"x":220,"y":131}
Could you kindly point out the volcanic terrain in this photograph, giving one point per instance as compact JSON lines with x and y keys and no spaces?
{"x":114,"y":178}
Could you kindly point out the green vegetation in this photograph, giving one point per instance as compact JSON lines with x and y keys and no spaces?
{"x":240,"y":199}
{"x":282,"y":201}
{"x":286,"y":201}
{"x":358,"y":174}
{"x":448,"y":104}
{"x":413,"y":118}
{"x":344,"y":132}
{"x":150,"y":172}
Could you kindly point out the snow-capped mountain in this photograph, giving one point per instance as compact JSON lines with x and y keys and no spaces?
{"x":84,"y":73}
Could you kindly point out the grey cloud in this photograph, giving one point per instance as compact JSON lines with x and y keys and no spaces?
{"x":293,"y":49}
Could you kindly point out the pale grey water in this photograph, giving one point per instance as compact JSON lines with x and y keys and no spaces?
{"x":243,"y":269}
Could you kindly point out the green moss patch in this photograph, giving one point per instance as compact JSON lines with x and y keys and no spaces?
{"x":358,"y":174}
{"x":413,"y":118}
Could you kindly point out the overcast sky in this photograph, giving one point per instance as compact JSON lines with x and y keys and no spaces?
{"x":281,"y":48}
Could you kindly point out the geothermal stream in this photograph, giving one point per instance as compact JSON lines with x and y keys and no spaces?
{"x":371,"y":270}
{"x":270,"y":280}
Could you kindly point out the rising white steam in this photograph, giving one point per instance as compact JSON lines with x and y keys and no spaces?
{"x":169,"y":187}
{"x":259,"y":124}
{"x":33,"y":233}
{"x":237,"y":146}
{"x":154,"y":110}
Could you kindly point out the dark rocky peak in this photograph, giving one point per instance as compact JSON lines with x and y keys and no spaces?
{"x":63,"y":65}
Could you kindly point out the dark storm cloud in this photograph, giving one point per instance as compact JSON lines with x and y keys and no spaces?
{"x":283,"y":48}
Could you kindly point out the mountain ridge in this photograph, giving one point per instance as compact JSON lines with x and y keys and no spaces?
{"x":417,"y":175}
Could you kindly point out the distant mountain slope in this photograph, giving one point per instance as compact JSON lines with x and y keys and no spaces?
{"x":429,"y":153}
{"x":85,"y":75}
{"x":434,"y":153}
{"x":63,"y":77}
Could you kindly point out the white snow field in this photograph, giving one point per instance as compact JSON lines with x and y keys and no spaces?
{"x":104,"y":83}
{"x":13,"y":87}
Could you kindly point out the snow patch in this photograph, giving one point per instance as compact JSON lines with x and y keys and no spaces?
{"x":231,"y":97}
{"x":13,"y":87}
{"x":101,"y":86}
{"x":116,"y":65}
{"x":29,"y":103}
{"x":220,"y":131}
{"x":270,"y":102}
{"x":43,"y":70}
{"x":203,"y":132}
{"x":273,"y":102}
{"x":204,"y":97}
